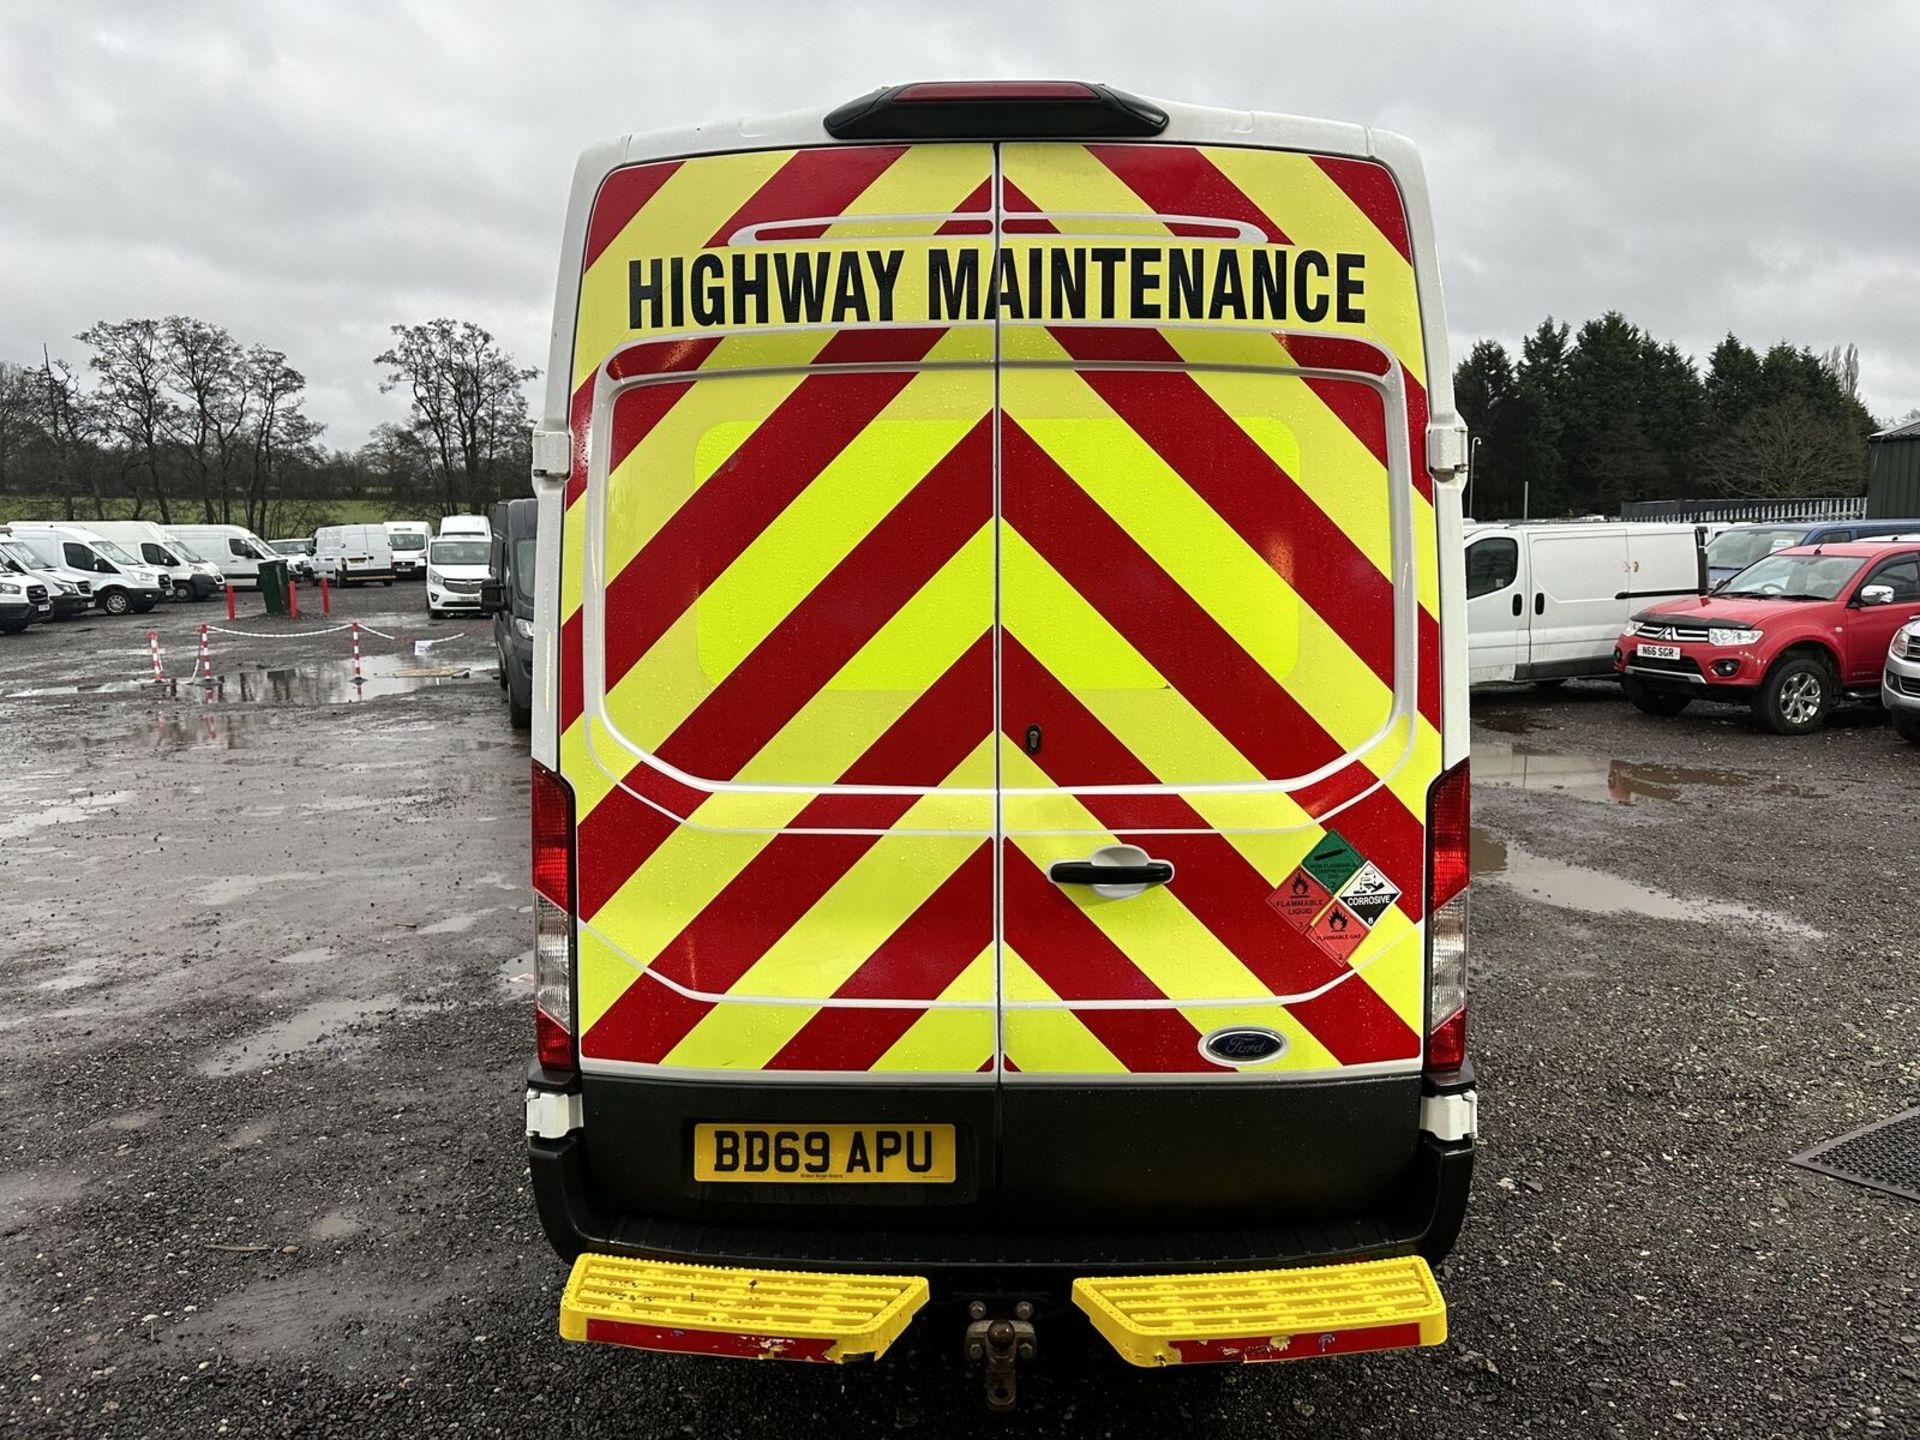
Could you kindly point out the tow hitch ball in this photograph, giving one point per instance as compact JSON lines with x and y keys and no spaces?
{"x":999,"y":1344}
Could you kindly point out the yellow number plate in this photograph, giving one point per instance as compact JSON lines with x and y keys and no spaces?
{"x":825,"y":1154}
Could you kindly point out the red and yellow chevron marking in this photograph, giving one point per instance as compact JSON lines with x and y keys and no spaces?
{"x":849,"y":567}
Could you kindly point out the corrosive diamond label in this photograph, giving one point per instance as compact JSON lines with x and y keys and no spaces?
{"x":1300,"y":899}
{"x":1333,"y":861}
{"x":1338,"y":932}
{"x":1369,"y":894}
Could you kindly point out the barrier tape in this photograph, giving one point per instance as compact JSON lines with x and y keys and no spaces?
{"x":203,"y":663}
{"x":422,"y":640}
{"x":336,"y":629}
{"x":275,"y":634}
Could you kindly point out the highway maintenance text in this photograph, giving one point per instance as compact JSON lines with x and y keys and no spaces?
{"x":849,"y":285}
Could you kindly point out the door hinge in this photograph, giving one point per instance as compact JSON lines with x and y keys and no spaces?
{"x":1447,"y":447}
{"x":553,"y":453}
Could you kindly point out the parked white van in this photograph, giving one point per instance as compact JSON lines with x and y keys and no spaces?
{"x":1547,"y":601}
{"x":353,"y":554}
{"x":452,"y":526}
{"x":234,"y":548}
{"x":194,"y":577}
{"x":120,"y":582}
{"x":408,"y":538}
{"x":457,"y":566}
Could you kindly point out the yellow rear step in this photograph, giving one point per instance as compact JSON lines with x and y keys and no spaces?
{"x":1259,"y":1315}
{"x":755,"y":1314}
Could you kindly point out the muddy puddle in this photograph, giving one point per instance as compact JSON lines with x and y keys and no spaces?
{"x":72,"y":809}
{"x":515,"y":975}
{"x":1610,"y":781}
{"x":1599,"y":892}
{"x":1601,"y":777}
{"x":338,"y":1026}
{"x":320,"y":682}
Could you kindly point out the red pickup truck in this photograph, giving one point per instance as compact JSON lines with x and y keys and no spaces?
{"x":1788,"y":636}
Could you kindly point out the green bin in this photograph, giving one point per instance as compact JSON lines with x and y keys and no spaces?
{"x":273,"y":585}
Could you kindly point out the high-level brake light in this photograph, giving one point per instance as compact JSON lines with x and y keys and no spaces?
{"x":996,"y":110}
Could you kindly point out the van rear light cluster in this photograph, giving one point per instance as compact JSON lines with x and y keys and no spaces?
{"x":1449,"y":838}
{"x":553,"y":934}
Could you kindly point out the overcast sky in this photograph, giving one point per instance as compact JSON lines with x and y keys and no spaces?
{"x":308,"y":174}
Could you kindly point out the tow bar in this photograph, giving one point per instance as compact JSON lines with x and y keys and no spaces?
{"x":999,"y":1344}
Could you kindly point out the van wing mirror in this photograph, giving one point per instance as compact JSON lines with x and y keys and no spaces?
{"x":493,"y":597}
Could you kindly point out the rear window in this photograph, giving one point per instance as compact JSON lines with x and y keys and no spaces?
{"x":1737,"y":549}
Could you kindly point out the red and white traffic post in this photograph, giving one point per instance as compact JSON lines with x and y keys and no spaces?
{"x":204,"y":667}
{"x":356,"y":652}
{"x":153,"y":649}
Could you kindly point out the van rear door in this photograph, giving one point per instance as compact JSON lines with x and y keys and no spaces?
{"x":1215,"y":621}
{"x":781,"y":748}
{"x":947,"y":519}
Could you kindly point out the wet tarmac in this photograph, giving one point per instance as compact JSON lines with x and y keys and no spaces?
{"x":1532,"y":766}
{"x":268,"y":971}
{"x":1610,"y":780}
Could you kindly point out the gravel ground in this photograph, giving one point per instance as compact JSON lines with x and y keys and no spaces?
{"x":262,"y":1172}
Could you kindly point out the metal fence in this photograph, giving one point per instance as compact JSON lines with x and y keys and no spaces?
{"x":1809,"y":508}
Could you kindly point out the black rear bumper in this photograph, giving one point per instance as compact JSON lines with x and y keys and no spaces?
{"x":1322,"y":1181}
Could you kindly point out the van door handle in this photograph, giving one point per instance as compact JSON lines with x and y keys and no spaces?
{"x":1540,"y":603}
{"x":1088,"y":872}
{"x":1518,"y":605}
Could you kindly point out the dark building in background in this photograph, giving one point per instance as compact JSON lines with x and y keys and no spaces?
{"x":1893,"y":471}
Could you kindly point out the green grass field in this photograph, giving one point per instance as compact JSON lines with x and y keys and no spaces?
{"x":329,"y":512}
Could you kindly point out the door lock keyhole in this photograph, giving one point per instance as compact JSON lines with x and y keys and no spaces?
{"x":1033,"y":739}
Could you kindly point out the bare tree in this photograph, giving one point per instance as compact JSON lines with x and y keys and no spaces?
{"x":1787,"y":448}
{"x":132,"y":399}
{"x":70,"y":420}
{"x":205,"y":366}
{"x":1843,"y":363}
{"x":280,"y":432}
{"x":468,"y":404}
{"x":21,"y":422}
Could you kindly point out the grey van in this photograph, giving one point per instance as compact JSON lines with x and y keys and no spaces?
{"x":508,"y":597}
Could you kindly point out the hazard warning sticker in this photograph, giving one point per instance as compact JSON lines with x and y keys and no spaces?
{"x":1335,"y":897}
{"x":1300,"y":899}
{"x":1369,"y":894}
{"x":1333,"y":861}
{"x":1338,"y":932}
